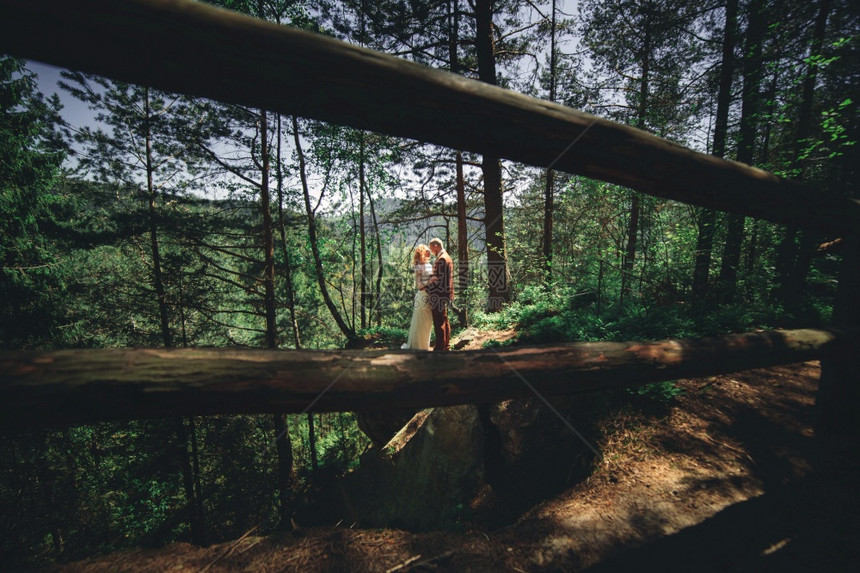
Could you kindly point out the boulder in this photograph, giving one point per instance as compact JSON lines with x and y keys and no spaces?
{"x":422,"y":479}
{"x":381,"y":425}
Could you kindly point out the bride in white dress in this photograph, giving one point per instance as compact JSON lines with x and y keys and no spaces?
{"x":422,"y":319}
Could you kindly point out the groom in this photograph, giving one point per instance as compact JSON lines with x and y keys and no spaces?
{"x":440,"y":289}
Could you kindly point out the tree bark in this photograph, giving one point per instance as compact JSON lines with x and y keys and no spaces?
{"x":282,"y":435}
{"x":549,"y":190}
{"x":282,"y":227}
{"x":794,"y":279}
{"x":731,"y":260}
{"x":708,"y":217}
{"x":752,"y":71}
{"x":752,"y":64}
{"x":84,"y":386}
{"x":630,"y":250}
{"x":635,"y":201}
{"x":312,"y":441}
{"x":312,"y":238}
{"x":362,"y":237}
{"x":195,"y":527}
{"x":494,"y":222}
{"x":376,"y":295}
{"x":462,"y":308}
{"x":157,"y":277}
{"x":198,"y":488}
{"x":285,"y":467}
{"x":268,"y":237}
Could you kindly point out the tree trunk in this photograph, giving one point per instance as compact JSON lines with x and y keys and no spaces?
{"x":494,"y":224}
{"x":157,"y":277}
{"x":549,"y":191}
{"x":705,"y":226}
{"x":792,"y":293}
{"x":728,"y":279}
{"x":754,"y":248}
{"x":198,"y":488}
{"x":312,"y":238}
{"x":362,"y":295}
{"x":376,"y":296}
{"x":795,"y":277}
{"x":630,"y":251}
{"x":285,"y":467}
{"x":284,"y":447}
{"x":785,"y":259}
{"x":462,"y":308}
{"x":268,"y":238}
{"x":288,"y":268}
{"x":195,"y":526}
{"x":312,"y":441}
{"x":752,"y":64}
{"x":497,"y":271}
{"x":635,"y":202}
{"x":707,"y":217}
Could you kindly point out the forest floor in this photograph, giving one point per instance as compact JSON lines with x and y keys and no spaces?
{"x":728,"y":477}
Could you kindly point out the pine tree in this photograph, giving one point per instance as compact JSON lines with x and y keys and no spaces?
{"x":643,"y":55}
{"x":32,"y":151}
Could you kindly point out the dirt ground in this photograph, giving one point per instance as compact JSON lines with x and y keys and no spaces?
{"x":729,"y":477}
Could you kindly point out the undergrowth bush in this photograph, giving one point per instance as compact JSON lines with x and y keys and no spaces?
{"x":547,"y":317}
{"x":383,"y":336}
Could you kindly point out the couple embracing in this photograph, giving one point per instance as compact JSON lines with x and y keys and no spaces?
{"x":435,"y":290}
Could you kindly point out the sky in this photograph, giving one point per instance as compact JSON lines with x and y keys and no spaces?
{"x":74,"y":111}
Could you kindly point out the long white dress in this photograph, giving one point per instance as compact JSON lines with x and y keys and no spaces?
{"x":422,"y":318}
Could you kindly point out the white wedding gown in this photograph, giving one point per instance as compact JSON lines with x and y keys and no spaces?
{"x":422,"y":318}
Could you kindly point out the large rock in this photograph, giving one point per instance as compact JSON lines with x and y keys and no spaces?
{"x":532,"y":452}
{"x":381,"y":426}
{"x":424,"y":477}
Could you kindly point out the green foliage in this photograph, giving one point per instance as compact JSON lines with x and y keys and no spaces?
{"x":31,"y":151}
{"x":340,"y":447}
{"x":547,"y":318}
{"x":662,"y":392}
{"x":102,"y":487}
{"x":493,"y":343}
{"x":384,"y":336}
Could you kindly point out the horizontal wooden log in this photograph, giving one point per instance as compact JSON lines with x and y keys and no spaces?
{"x":84,"y":386}
{"x":190,"y":47}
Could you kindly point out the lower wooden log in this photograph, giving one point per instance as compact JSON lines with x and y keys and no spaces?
{"x":84,"y":386}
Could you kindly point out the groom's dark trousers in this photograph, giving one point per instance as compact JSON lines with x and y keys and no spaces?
{"x":441,"y":328}
{"x":441,"y":291}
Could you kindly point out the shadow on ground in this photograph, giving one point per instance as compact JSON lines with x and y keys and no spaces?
{"x":811,"y":524}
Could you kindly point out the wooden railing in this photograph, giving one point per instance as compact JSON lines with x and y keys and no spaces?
{"x":194,"y":48}
{"x":75,"y":387}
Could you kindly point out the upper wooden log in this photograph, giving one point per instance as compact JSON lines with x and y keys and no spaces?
{"x":190,"y":47}
{"x":84,"y":386}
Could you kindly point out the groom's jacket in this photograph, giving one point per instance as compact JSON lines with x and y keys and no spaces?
{"x":442,"y":282}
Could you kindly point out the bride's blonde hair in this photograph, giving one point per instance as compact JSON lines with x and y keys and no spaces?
{"x":422,"y":255}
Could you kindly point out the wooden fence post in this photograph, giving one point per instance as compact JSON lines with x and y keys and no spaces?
{"x":838,"y":398}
